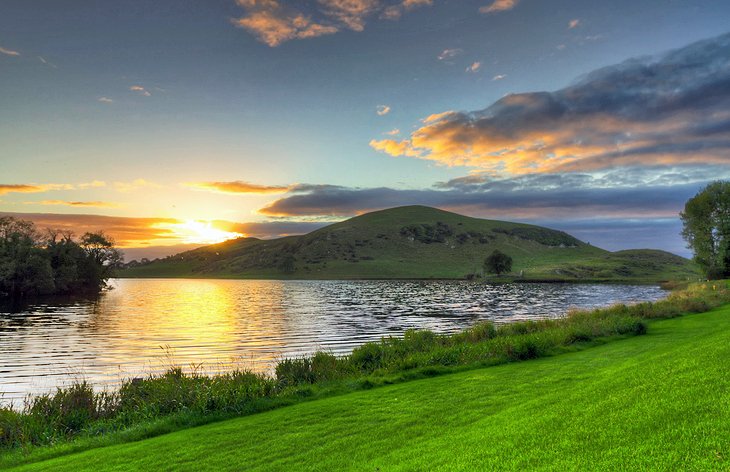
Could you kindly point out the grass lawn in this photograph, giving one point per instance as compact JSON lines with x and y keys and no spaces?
{"x":659,"y":401}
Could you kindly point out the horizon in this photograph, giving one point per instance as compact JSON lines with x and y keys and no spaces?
{"x":180,"y":124}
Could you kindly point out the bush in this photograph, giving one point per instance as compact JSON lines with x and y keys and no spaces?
{"x":367,"y":357}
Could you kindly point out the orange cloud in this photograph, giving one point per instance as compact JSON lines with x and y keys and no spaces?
{"x":238,"y":187}
{"x":647,"y":112}
{"x":274,"y":22}
{"x":273,"y":26}
{"x":75,"y":204}
{"x":498,"y":6}
{"x":9,"y":52}
{"x":33,"y":188}
{"x":20,"y":188}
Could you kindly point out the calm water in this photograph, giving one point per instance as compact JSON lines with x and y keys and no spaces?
{"x":136,"y":328}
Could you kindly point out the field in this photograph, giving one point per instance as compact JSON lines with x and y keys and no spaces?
{"x":419,"y":242}
{"x":659,"y":401}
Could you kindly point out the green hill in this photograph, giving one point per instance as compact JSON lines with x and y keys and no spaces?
{"x":417,"y":242}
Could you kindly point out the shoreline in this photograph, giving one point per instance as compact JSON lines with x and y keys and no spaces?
{"x":420,"y":354}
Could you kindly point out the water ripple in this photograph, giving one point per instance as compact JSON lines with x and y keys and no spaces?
{"x":144,"y":326}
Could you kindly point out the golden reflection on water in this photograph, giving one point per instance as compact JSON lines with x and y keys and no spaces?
{"x":190,"y":322}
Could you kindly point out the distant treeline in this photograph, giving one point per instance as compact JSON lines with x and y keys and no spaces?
{"x":52,"y":262}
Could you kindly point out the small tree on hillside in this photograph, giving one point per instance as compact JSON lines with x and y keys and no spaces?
{"x":498,"y":263}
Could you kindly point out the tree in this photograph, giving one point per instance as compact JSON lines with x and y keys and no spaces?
{"x":34,"y":265}
{"x":706,"y":228}
{"x":24,"y":267}
{"x":101,"y":260}
{"x":498,"y":263}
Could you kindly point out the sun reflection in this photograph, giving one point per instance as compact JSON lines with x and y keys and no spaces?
{"x":199,"y":232}
{"x":198,"y":322}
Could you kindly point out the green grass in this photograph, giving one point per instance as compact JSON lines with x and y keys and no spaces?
{"x":176,"y":400}
{"x":400,"y":243}
{"x":654,"y":402}
{"x":180,"y":398}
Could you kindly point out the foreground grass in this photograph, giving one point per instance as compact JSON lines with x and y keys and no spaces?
{"x":660,"y":402}
{"x":74,"y":417}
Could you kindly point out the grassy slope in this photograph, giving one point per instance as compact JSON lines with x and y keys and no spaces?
{"x":372,"y":246}
{"x":660,"y":401}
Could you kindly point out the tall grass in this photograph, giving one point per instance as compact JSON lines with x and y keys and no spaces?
{"x":78,"y":410}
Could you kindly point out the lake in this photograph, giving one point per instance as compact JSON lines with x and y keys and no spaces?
{"x":143,"y":326}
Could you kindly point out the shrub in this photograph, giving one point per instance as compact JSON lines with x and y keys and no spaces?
{"x":367,"y":357}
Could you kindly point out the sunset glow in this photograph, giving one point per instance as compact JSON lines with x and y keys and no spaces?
{"x":272,"y":118}
{"x":199,"y":232}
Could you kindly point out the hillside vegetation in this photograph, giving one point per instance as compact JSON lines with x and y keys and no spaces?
{"x":417,"y":242}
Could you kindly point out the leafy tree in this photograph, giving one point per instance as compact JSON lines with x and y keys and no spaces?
{"x":31,"y":264}
{"x":498,"y":263}
{"x":101,"y":260}
{"x":706,"y":228}
{"x":24,"y":270}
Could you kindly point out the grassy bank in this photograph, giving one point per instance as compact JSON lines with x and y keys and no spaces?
{"x":156,"y":405}
{"x":655,"y":402}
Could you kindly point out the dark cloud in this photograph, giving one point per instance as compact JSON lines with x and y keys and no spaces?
{"x":613,"y":218}
{"x":672,"y":109}
{"x":523,"y":203}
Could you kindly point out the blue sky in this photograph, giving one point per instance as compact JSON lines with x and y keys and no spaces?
{"x":149,"y":111}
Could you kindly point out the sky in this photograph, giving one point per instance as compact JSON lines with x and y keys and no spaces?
{"x":172,"y":124}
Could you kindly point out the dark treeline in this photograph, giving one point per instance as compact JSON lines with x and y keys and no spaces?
{"x":52,"y":262}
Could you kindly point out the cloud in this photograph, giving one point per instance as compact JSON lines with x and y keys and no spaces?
{"x":394,"y":12}
{"x":637,"y":214}
{"x":238,"y":187}
{"x":274,"y":22}
{"x":538,"y":196}
{"x":573,"y":23}
{"x":351,"y":13}
{"x":20,"y":188}
{"x":105,"y":100}
{"x":9,"y":52}
{"x":33,"y":188}
{"x":667,"y":110}
{"x":126,"y":187}
{"x":75,"y":204}
{"x":474,"y":67}
{"x":393,"y":132}
{"x":499,"y":77}
{"x":92,"y":184}
{"x":498,"y":6}
{"x":383,"y":110}
{"x":447,"y":54}
{"x":140,"y":90}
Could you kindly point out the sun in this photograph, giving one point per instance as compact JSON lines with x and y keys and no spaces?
{"x":201,"y":232}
